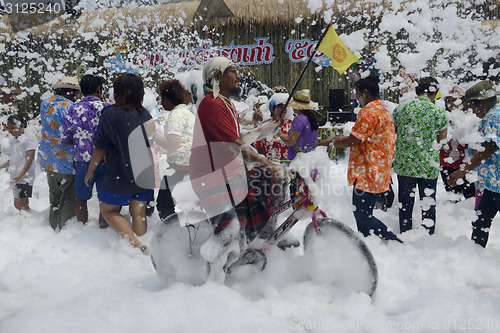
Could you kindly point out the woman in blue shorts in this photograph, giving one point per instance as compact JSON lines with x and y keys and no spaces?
{"x":122,"y":142}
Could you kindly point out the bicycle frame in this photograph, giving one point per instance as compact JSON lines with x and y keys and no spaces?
{"x":303,"y":200}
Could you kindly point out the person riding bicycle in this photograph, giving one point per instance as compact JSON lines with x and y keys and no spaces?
{"x":236,"y":185}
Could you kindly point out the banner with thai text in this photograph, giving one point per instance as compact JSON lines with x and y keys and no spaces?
{"x":260,"y":53}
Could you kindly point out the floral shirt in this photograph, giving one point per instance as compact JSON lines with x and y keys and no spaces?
{"x":52,"y":154}
{"x":80,"y":126}
{"x":181,"y":122}
{"x":370,"y":160}
{"x":489,"y":171}
{"x":274,"y":149}
{"x":418,"y":123}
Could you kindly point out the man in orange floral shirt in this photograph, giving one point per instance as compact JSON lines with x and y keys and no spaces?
{"x":372,"y":141}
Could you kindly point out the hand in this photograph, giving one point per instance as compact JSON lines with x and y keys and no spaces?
{"x":325,"y":142}
{"x":280,"y":110}
{"x":278,"y":170}
{"x":452,"y":179}
{"x":15,"y":179}
{"x":150,"y":127}
{"x":88,"y":177}
{"x":257,"y":116}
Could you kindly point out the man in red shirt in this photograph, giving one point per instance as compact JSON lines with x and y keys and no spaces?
{"x":236,"y":185}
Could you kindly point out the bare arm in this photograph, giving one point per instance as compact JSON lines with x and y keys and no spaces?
{"x":263,"y":130}
{"x":291,"y":138}
{"x":173,"y":142}
{"x":478,"y":158}
{"x":97,"y":157}
{"x":250,"y":155}
{"x":341,"y":141}
{"x":170,"y":143}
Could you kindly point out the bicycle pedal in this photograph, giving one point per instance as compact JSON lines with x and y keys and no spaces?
{"x":253,"y":257}
{"x":286,"y":244}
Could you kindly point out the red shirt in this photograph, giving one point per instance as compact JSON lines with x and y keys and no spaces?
{"x":452,"y":154}
{"x":275,"y":150}
{"x":215,"y":127}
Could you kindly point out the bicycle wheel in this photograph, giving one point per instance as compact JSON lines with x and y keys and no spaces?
{"x":175,"y":247}
{"x":338,"y":256}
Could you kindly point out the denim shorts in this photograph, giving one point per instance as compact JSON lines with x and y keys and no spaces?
{"x":83,"y":191}
{"x":123,"y":199}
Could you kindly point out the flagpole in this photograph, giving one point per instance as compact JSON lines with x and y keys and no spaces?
{"x":304,"y":70}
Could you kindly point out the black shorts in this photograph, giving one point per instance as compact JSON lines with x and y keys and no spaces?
{"x":22,"y":191}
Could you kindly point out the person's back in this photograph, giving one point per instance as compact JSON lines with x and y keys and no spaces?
{"x":55,"y":157}
{"x":421,"y":129}
{"x":113,"y":135}
{"x":52,"y":154}
{"x":181,"y":122}
{"x":79,"y":130}
{"x":418,"y":123}
{"x":81,"y":125}
{"x":307,"y":139}
{"x":376,"y":151}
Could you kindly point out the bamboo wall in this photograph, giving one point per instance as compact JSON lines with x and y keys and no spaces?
{"x":240,"y":31}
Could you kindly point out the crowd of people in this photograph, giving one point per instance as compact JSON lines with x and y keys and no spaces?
{"x":128,"y":156}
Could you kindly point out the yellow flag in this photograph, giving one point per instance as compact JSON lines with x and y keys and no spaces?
{"x":331,"y":46}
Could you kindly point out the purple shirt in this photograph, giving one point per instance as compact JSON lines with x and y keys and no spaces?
{"x":80,"y":126}
{"x":307,"y":139}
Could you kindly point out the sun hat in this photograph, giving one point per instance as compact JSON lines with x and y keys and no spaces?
{"x":68,"y":82}
{"x":302,"y":101}
{"x":480,"y":91}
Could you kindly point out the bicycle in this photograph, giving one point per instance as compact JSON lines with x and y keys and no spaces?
{"x":175,"y":247}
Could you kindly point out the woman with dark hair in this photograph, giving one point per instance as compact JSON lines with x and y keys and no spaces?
{"x":177,"y":140}
{"x":121,"y":139}
{"x":371,"y":141}
{"x":301,"y":138}
{"x":303,"y":133}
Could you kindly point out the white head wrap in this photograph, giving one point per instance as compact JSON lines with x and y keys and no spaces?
{"x":213,"y":66}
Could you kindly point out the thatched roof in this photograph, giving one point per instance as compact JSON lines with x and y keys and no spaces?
{"x":212,"y":12}
{"x":189,"y":11}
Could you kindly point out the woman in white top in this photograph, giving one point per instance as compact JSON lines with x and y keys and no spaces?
{"x":177,"y":140}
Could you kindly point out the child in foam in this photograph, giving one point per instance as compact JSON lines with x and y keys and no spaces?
{"x":21,"y":168}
